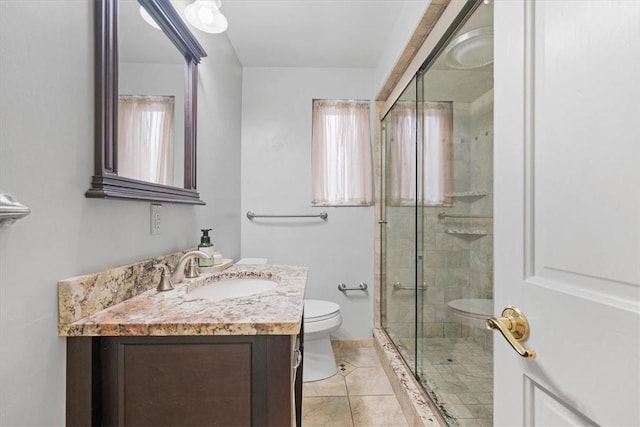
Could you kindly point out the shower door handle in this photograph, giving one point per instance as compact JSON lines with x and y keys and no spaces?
{"x":513,"y":325}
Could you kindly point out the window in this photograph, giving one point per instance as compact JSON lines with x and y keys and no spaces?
{"x":434,"y":123}
{"x":145,"y":138}
{"x":341,"y":153}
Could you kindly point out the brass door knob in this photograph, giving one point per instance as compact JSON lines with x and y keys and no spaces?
{"x":513,"y":325}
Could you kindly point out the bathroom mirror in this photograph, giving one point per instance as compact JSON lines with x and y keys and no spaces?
{"x":128,"y":73}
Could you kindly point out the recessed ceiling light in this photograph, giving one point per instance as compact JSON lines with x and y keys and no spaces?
{"x":470,"y":50}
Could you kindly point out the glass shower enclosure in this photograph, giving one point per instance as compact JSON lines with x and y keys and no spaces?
{"x":437,"y":241}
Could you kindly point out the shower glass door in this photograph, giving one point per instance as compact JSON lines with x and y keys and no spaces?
{"x":437,"y":209}
{"x":455,"y":138}
{"x":400,"y":314}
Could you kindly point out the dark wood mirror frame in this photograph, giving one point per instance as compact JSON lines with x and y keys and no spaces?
{"x":106,"y":183}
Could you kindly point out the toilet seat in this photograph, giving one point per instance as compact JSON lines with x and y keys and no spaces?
{"x":317,"y":310}
{"x":472,"y":307}
{"x":471,"y":311}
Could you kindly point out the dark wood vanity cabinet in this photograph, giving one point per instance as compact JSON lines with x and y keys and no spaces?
{"x":183,"y":381}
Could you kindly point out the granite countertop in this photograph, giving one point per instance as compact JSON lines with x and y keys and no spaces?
{"x":175,"y":312}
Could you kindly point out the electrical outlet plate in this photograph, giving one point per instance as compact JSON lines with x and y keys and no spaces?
{"x":156,"y":209}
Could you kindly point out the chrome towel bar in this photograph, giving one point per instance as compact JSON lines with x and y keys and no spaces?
{"x":323,"y":215}
{"x":400,"y":287}
{"x":361,"y":287}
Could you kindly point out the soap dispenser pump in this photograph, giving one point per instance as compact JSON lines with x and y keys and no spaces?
{"x":207,"y":247}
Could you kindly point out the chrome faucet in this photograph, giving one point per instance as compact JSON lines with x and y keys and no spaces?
{"x":178,"y":273}
{"x":165,"y":279}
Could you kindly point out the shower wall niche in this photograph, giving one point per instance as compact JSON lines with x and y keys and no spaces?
{"x":437,"y":235}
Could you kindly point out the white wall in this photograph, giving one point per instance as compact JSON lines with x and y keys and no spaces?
{"x":46,"y":162}
{"x":276,"y":178}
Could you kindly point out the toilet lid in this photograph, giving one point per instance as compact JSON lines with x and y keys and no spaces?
{"x":316,"y":310}
{"x":476,"y":307}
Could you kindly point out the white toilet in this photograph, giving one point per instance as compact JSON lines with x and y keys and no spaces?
{"x":321,"y":318}
{"x":471,"y":311}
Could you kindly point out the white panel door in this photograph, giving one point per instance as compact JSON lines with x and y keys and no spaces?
{"x":567,"y":210}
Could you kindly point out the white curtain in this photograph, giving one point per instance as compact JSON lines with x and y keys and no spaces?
{"x":145,"y":138}
{"x":420,"y":131}
{"x":341,"y":153}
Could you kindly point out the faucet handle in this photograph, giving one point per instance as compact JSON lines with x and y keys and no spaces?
{"x":192,"y":269}
{"x":165,"y":280}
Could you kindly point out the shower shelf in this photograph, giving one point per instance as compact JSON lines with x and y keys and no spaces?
{"x":467,"y":232}
{"x":468,"y":194}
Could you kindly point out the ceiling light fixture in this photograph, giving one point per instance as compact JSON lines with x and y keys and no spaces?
{"x":205,"y":15}
{"x":148,"y":18}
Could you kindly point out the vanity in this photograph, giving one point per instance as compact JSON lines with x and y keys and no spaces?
{"x":137,"y":356}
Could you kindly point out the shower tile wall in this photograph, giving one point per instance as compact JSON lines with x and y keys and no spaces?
{"x":455,"y":266}
{"x":399,"y":316}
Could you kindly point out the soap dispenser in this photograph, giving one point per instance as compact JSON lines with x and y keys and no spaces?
{"x":207,"y":247}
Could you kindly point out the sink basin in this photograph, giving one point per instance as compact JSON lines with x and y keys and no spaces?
{"x":232,"y":288}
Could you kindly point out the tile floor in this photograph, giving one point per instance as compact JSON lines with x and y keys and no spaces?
{"x":358,"y":395}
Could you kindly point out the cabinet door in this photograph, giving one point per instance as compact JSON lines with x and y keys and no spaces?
{"x":184,"y":381}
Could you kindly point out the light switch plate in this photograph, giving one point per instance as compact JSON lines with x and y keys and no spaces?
{"x":156,"y":209}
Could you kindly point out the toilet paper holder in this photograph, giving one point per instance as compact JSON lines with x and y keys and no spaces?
{"x":361,"y":287}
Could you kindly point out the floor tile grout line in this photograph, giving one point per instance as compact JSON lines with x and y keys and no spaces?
{"x":346,"y":386}
{"x":353,"y":421}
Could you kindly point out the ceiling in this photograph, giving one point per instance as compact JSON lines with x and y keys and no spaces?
{"x":140,"y":42}
{"x":310,"y":33}
{"x":278,"y":33}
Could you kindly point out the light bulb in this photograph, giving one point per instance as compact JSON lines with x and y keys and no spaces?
{"x":219,"y":23}
{"x":206,"y":15}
